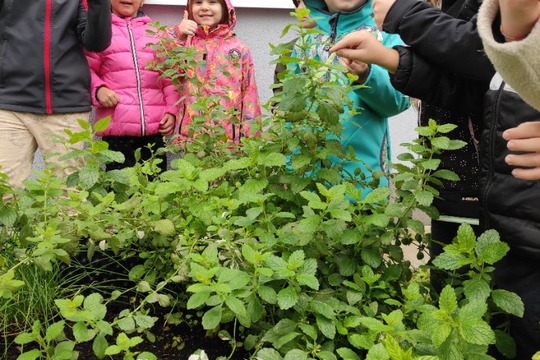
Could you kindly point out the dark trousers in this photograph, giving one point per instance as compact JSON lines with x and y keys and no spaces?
{"x":522,"y":275}
{"x":127,"y":146}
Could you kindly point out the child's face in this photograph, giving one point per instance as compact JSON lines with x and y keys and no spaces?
{"x":343,"y":5}
{"x":126,"y":8}
{"x":207,"y":12}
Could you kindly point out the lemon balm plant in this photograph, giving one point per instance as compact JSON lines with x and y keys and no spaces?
{"x":263,"y":242}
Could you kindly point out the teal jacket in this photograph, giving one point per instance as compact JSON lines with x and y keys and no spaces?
{"x":367,"y":131}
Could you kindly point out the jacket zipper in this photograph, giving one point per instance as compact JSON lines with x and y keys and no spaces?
{"x":47,"y":56}
{"x":492,"y":131}
{"x":138,"y":77}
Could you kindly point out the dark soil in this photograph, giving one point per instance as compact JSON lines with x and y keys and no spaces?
{"x":176,"y":342}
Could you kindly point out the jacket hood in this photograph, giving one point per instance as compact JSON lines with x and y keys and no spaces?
{"x":231,"y":23}
{"x":341,"y":21}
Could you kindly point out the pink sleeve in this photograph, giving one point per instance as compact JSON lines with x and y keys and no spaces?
{"x":172,"y":96}
{"x":251,"y":107}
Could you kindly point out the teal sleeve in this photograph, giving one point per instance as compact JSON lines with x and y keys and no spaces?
{"x":378,"y":93}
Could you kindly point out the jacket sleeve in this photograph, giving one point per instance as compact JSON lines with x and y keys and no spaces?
{"x":379,"y":94}
{"x":518,"y":62}
{"x":94,"y":27}
{"x":251,"y":108}
{"x":422,"y":80}
{"x":172,"y":96}
{"x":439,"y":38}
{"x":94,"y":63}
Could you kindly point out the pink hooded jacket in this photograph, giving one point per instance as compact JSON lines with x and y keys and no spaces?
{"x":144,"y":97}
{"x":227,"y":72}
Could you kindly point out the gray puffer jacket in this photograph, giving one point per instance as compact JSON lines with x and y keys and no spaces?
{"x":42,"y":66}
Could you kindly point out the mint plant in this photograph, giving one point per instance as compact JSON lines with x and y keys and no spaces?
{"x":263,"y":242}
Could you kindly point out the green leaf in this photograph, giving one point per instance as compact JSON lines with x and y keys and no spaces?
{"x":377,"y":352}
{"x":144,"y":321}
{"x":296,"y":260}
{"x":102,"y":124}
{"x":55,"y":330}
{"x":164,"y":227}
{"x":212,"y":318}
{"x":347,"y":354}
{"x":476,"y":288}
{"x":446,"y":261}
{"x":321,"y":308}
{"x":100,"y":345}
{"x":431,"y":164}
{"x":146,"y":356}
{"x":267,"y":294}
{"x":236,"y":306}
{"x":489,"y":248}
{"x":198,"y":299}
{"x":446,"y":175}
{"x":477,"y":331}
{"x":64,"y":350}
{"x":296,"y":354}
{"x":268,"y":354}
{"x":440,"y":333}
{"x":308,"y":280}
{"x":448,"y":300}
{"x":326,"y":326}
{"x":30,"y":355}
{"x":274,"y":159}
{"x":287,"y":298}
{"x":508,"y":301}
{"x":327,"y":113}
{"x":81,"y":332}
{"x":424,"y":198}
{"x":126,"y":324}
{"x":23,"y":339}
{"x":371,"y":257}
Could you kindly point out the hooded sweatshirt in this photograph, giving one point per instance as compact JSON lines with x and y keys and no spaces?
{"x":145,"y":97}
{"x":367,"y":131}
{"x":224,"y":72}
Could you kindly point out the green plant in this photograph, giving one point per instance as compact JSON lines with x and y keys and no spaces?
{"x":263,"y":242}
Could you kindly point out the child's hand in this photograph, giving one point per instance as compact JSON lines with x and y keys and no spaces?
{"x":362,"y":47}
{"x":380,"y":9}
{"x":526,"y":138}
{"x":106,"y":97}
{"x":187,"y":27}
{"x":358,"y":68}
{"x":166,"y":125}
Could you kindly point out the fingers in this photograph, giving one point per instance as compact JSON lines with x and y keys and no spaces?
{"x":186,"y":15}
{"x":107,"y":98}
{"x":530,"y":129}
{"x":527,"y":174}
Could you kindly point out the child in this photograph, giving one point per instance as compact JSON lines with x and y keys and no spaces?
{"x":367,"y":131}
{"x":142,"y":105}
{"x":45,"y":80}
{"x":417,"y":71}
{"x":449,"y":76}
{"x":225,"y":69}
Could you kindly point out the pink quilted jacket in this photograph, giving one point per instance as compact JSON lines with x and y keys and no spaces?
{"x":144,"y":97}
{"x":227,"y":71}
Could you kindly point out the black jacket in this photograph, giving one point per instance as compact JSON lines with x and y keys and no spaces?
{"x":511,"y":206}
{"x":42,"y":66}
{"x":443,"y":61}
